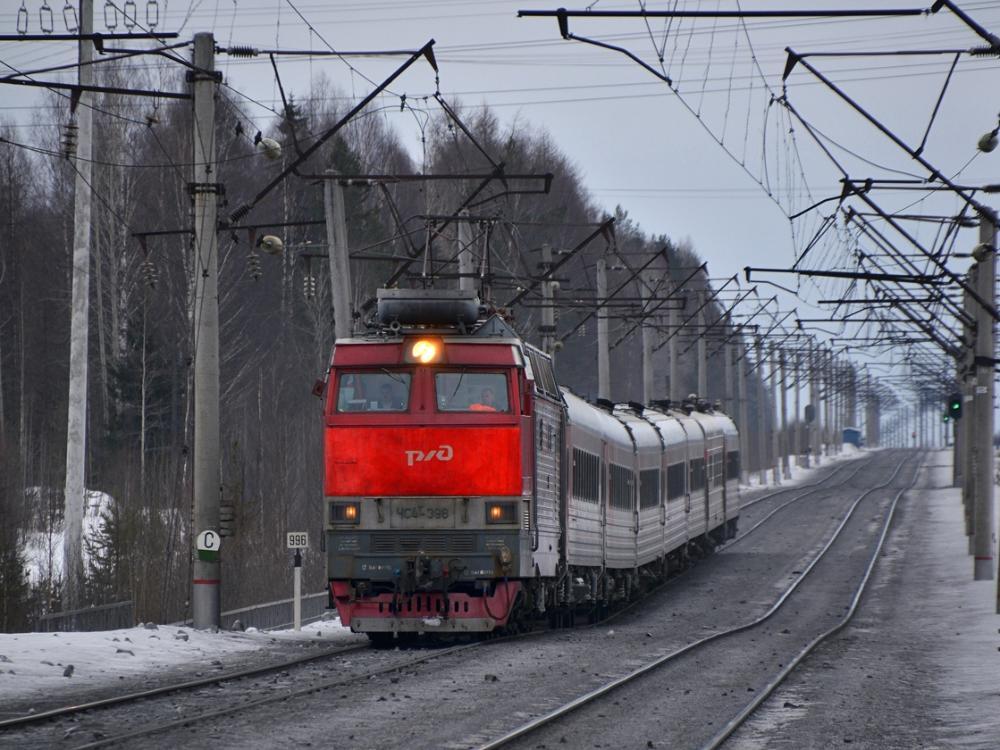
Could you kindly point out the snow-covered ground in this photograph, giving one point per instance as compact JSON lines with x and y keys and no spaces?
{"x":962,"y":612}
{"x":801,"y":475}
{"x":43,"y":550}
{"x":34,"y":665}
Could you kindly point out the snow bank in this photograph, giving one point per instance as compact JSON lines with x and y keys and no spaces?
{"x":33,"y":665}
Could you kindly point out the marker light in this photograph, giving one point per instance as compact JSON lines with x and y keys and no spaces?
{"x":345,"y":513}
{"x":424,"y":351}
{"x":501,"y":512}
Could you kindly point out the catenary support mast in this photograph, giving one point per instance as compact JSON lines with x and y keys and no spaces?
{"x":206,"y":580}
{"x":982,"y":404}
{"x":340,"y":266}
{"x":603,"y":342}
{"x":76,"y":427}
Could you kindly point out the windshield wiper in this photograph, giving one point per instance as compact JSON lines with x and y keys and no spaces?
{"x":395,"y":376}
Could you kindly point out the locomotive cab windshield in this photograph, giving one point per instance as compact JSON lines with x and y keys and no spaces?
{"x":383,"y":390}
{"x":471,"y":390}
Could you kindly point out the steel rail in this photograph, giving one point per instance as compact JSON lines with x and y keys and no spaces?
{"x":579,"y":702}
{"x":680,"y":574}
{"x":741,"y":718}
{"x":798,"y":486}
{"x":55,"y":713}
{"x":278,"y":697}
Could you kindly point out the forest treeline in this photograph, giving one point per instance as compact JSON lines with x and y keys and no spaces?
{"x":276,"y":322}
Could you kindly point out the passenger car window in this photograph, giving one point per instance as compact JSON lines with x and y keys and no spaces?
{"x":384,"y":390}
{"x":471,"y":391}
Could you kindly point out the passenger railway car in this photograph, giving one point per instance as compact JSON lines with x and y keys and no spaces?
{"x":466,"y":491}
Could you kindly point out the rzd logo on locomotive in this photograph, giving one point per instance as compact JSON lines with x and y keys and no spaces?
{"x":441,"y":453}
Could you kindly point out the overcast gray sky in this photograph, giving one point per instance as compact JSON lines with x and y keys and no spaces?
{"x":696,"y":162}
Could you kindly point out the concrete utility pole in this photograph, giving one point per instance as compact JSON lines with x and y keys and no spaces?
{"x":958,"y":430}
{"x":675,"y":394}
{"x":340,"y":264}
{"x":548,"y":327}
{"x":877,"y":410}
{"x":786,"y":469}
{"x":814,"y":434}
{"x":702,"y":348}
{"x":646,"y":331}
{"x":982,"y":404}
{"x":741,"y":395}
{"x":967,"y":423}
{"x":773,"y":414}
{"x":728,"y":351}
{"x":466,"y":280}
{"x":827,"y":394}
{"x":812,"y":429}
{"x":852,"y":407}
{"x":797,"y":358}
{"x":837,"y":432}
{"x":762,"y":410}
{"x":74,"y":497}
{"x":877,"y":415}
{"x":603,"y":343}
{"x":207,"y":476}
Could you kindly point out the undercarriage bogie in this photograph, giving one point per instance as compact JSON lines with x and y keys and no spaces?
{"x":427,"y":601}
{"x":430,"y":611}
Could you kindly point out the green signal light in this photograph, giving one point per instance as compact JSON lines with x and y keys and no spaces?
{"x":955,"y":406}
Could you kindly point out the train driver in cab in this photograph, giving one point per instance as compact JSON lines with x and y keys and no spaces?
{"x":388,"y":399}
{"x":487,"y":401}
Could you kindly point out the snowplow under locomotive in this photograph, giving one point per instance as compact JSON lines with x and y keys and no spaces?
{"x":465,"y":491}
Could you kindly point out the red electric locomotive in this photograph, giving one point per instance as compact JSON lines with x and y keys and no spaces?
{"x":465,"y":490}
{"x":429,"y":468}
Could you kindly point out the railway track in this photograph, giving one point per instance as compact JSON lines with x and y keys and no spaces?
{"x":78,"y":708}
{"x":813,"y":489}
{"x":396,"y":666}
{"x":589,"y":700}
{"x":99,"y":726}
{"x":97,"y":717}
{"x":821,"y":481}
{"x":737,"y":721}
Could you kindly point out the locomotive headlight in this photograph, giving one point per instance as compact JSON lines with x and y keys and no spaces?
{"x":425,"y":351}
{"x":345,"y":513}
{"x":501,"y":512}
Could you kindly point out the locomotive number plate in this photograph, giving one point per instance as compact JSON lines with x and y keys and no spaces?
{"x":411,"y":513}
